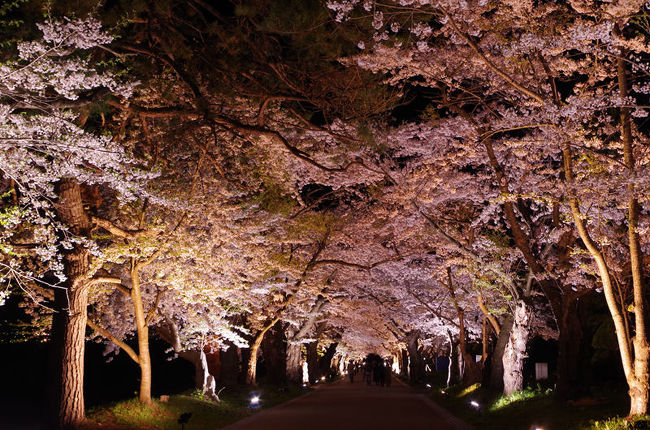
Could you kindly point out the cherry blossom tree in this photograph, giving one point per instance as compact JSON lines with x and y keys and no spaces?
{"x":46,"y":159}
{"x":498,"y":67}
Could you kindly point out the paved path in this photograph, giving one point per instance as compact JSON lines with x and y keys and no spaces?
{"x":345,"y":406}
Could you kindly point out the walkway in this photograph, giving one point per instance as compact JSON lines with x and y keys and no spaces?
{"x":345,"y":406}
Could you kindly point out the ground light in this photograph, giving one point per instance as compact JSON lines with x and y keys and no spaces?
{"x":475,"y":404}
{"x":255,"y":400}
{"x":322,"y":378}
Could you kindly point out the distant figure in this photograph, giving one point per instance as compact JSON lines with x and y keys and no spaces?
{"x":388,"y":374}
{"x":378,"y":372}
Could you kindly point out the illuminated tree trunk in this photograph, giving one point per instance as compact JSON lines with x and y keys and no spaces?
{"x":69,"y":323}
{"x":416,"y":363}
{"x":453,"y":370}
{"x":470,"y":371}
{"x":294,"y":355}
{"x":294,"y":364}
{"x":515,"y":350}
{"x":496,"y":361}
{"x":142,"y":329}
{"x":251,"y":370}
{"x":203,"y":378}
{"x":404,"y":363}
{"x":634,"y":349}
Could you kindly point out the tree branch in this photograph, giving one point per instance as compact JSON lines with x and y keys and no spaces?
{"x":108,"y":335}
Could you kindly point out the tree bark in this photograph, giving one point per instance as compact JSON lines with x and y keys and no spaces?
{"x":325,"y":362}
{"x":229,"y":365}
{"x":294,"y":363}
{"x":69,"y":322}
{"x":251,"y":370}
{"x":142,"y":329}
{"x":404,"y":363}
{"x":453,"y":370}
{"x":312,"y":362}
{"x":496,"y":362}
{"x":274,"y":351}
{"x":515,"y":351}
{"x":416,"y":363}
{"x":569,"y":349}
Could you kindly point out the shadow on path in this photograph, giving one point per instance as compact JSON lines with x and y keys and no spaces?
{"x":343,"y":406}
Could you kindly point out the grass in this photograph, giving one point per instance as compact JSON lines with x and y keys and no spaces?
{"x":534,"y":408}
{"x":131,"y":414}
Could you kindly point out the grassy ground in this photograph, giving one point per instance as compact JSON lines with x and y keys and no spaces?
{"x":235,"y":405}
{"x":534,"y":409}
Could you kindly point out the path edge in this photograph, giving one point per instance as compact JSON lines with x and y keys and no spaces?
{"x":234,"y":425}
{"x":446,"y":415}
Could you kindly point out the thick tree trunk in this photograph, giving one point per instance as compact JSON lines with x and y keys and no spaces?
{"x":416,"y":363}
{"x":229,"y":365}
{"x":251,"y":370}
{"x":69,"y":323}
{"x":312,"y":362}
{"x":274,"y":351}
{"x":496,"y":362}
{"x":515,"y":351}
{"x":569,"y":343}
{"x":325,"y":362}
{"x":404,"y":363}
{"x":294,"y":364}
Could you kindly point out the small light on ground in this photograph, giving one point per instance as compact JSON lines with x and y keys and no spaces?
{"x":443,"y":392}
{"x":475,"y":404}
{"x":255,"y":400}
{"x":322,"y":378}
{"x":428,"y":385}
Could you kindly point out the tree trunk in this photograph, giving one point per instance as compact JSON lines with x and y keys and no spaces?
{"x":143,"y":337}
{"x":453,"y":374}
{"x":325,"y":362}
{"x":416,"y":363}
{"x":274,"y":351}
{"x":515,"y":351}
{"x":569,"y":343}
{"x":294,"y":363}
{"x":251,"y":370}
{"x":404,"y":363}
{"x":496,"y":362}
{"x":312,"y":362}
{"x":229,"y":365}
{"x":69,"y":323}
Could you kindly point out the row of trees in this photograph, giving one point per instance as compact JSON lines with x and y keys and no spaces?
{"x":217,"y":174}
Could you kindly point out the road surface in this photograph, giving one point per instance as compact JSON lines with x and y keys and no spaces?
{"x":343,"y":406}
